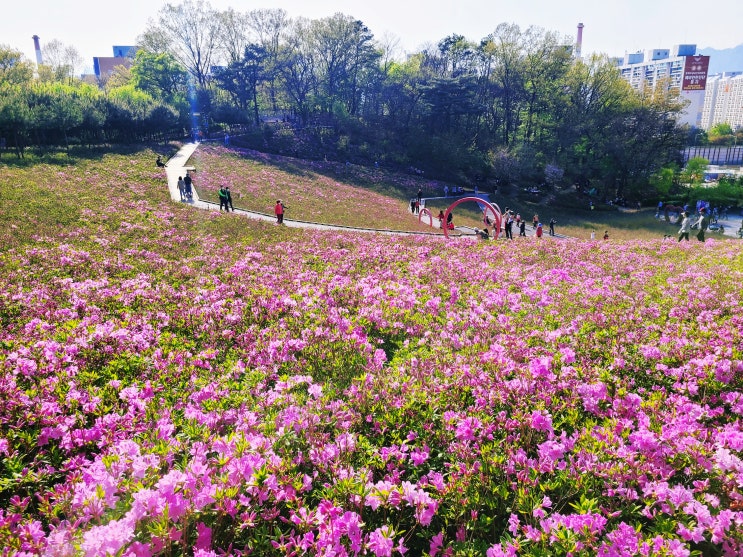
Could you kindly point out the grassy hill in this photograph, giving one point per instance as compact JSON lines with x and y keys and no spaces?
{"x":53,"y":191}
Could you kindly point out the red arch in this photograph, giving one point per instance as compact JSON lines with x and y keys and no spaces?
{"x":430,"y":216}
{"x":489,"y":207}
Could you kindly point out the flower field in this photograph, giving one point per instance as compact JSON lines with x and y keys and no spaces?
{"x":179,"y":382}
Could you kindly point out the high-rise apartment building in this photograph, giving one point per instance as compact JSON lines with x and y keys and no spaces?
{"x":678,"y":68}
{"x":723,"y":101}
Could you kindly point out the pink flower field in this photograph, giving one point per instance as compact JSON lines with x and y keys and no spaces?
{"x":176,"y":382}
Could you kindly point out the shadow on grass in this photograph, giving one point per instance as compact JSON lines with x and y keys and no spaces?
{"x":59,"y":156}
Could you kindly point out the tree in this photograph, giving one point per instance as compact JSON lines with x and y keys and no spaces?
{"x":693,"y":173}
{"x":15,"y":115}
{"x":191,"y":32}
{"x":664,"y":180}
{"x":595,"y":101}
{"x":159,"y":74}
{"x":128,"y":107}
{"x":234,"y":36}
{"x":450,"y":103}
{"x":242,"y":77}
{"x":14,"y":68}
{"x":457,"y":56}
{"x":645,"y":138}
{"x":60,"y":62}
{"x":269,"y":25}
{"x":721,"y":133}
{"x":546,"y":61}
{"x":345,"y":50}
{"x":55,"y":109}
{"x":503,"y":49}
{"x":297,"y":66}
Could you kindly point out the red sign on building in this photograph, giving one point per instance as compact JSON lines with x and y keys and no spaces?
{"x":695,"y":73}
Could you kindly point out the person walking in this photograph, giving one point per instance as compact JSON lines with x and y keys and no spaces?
{"x":223,"y":199}
{"x":702,"y":223}
{"x":535,"y":221}
{"x":446,"y":191}
{"x":509,"y":225}
{"x":539,"y":230}
{"x":685,"y":227}
{"x":181,"y":187}
{"x":552,"y":226}
{"x":188,"y":181}
{"x":279,"y":210}
{"x":420,"y":195}
{"x":228,"y":193}
{"x":522,"y":228}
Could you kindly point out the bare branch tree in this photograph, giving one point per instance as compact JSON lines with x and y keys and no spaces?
{"x":234,"y":36}
{"x":191,"y":32}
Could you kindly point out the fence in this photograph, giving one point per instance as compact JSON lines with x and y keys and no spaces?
{"x":716,"y":154}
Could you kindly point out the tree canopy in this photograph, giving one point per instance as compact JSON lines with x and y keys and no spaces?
{"x":515,"y":106}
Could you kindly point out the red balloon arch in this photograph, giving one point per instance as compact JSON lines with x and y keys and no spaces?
{"x":491,"y":208}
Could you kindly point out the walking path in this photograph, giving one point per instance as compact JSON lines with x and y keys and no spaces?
{"x":177,"y":166}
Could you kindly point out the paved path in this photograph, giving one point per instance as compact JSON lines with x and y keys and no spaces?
{"x":731,"y":226}
{"x":178,"y":165}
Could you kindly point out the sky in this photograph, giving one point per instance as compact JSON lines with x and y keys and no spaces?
{"x":611,"y":27}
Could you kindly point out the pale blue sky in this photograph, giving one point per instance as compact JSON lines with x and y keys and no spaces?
{"x":611,"y":27}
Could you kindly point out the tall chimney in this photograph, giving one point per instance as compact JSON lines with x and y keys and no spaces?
{"x":579,"y":42}
{"x":37,"y":47}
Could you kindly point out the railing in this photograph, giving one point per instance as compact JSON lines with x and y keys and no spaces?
{"x":716,"y":154}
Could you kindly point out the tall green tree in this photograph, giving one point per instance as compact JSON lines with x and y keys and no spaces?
{"x":159,"y":74}
{"x":298,"y":66}
{"x":270,"y":26}
{"x":595,"y":101}
{"x":504,"y":50}
{"x":242,"y":78}
{"x":345,"y":50}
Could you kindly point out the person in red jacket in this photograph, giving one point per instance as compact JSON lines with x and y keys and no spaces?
{"x":279,"y":210}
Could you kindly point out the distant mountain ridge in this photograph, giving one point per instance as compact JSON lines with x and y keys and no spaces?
{"x":725,"y":60}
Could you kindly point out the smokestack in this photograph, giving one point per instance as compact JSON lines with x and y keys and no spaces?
{"x":579,"y":42}
{"x":37,"y":47}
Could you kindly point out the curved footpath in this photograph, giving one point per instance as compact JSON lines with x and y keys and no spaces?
{"x":177,"y":166}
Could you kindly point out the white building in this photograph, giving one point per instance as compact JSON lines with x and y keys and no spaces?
{"x":723,"y":101}
{"x":678,"y":68}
